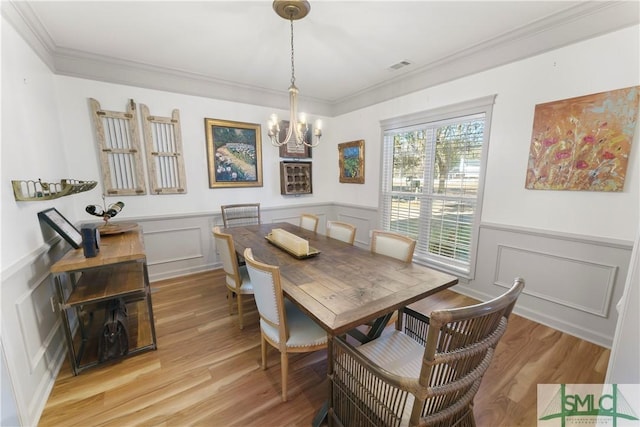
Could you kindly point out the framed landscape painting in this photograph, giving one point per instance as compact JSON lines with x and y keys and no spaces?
{"x":234,"y":153}
{"x":351,"y":162}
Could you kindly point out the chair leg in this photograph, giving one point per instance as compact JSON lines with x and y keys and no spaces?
{"x":263,"y":349}
{"x":230,"y":301}
{"x":240,"y":314}
{"x":284,"y":367}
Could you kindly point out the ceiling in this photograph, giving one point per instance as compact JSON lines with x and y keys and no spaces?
{"x":344,"y":50}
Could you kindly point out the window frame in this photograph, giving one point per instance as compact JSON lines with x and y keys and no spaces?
{"x":429,"y":119}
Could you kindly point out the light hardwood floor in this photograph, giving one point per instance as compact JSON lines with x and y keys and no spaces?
{"x":207,"y":372}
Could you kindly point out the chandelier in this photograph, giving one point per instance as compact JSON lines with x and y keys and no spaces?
{"x":298,"y":130}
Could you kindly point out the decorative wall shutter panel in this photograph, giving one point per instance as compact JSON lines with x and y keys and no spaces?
{"x":119,"y":149}
{"x":163,"y":144}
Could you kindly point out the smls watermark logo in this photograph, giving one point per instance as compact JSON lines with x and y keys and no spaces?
{"x":610,"y":405}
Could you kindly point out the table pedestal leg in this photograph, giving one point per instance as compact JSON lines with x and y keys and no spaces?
{"x":322,"y":414}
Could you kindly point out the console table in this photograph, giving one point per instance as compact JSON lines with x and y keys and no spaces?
{"x":87,"y":287}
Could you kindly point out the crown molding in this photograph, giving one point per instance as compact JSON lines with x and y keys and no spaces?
{"x":85,"y":65}
{"x":24,"y":21}
{"x":583,"y":21}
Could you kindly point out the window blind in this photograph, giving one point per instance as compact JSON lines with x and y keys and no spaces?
{"x":431,"y":184}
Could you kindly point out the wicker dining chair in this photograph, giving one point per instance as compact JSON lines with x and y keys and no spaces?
{"x":341,"y":231}
{"x":237,"y":278}
{"x":282,"y":324}
{"x":309,"y":222}
{"x":240,"y":214}
{"x":392,"y":244}
{"x":426,"y":372}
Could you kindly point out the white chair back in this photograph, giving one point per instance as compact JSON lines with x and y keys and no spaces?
{"x":393,"y":245}
{"x":309,"y":222}
{"x":341,"y":231}
{"x":267,"y":290}
{"x":226,"y":250}
{"x":236,"y":277}
{"x":303,"y":335}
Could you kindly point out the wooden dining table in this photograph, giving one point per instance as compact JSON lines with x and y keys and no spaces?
{"x":342,"y":286}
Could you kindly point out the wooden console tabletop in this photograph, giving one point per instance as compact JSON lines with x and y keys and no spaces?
{"x":115,"y":248}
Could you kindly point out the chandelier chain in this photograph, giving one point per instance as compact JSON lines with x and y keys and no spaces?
{"x":293,"y":69}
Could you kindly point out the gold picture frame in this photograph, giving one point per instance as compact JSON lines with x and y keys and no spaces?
{"x":234,"y":153}
{"x":351,"y":162}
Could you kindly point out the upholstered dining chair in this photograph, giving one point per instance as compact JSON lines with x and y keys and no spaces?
{"x":240,"y":214}
{"x":309,"y":222}
{"x":237,"y":278}
{"x":341,"y":231}
{"x":392,"y":244}
{"x":282,"y":324}
{"x":426,"y":372}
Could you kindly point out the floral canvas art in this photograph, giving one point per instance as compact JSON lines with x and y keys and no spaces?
{"x":583,"y":143}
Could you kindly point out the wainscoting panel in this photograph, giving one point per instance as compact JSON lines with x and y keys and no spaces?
{"x":36,"y":313}
{"x":571,"y":282}
{"x":173,"y":245}
{"x":364,"y":219}
{"x":593,"y":281}
{"x":32,"y":336}
{"x":178,"y":245}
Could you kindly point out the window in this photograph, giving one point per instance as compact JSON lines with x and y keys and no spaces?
{"x":432,"y":177}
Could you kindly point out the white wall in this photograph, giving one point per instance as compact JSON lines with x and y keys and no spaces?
{"x":32,"y":146}
{"x":80,"y":142}
{"x":41,"y":152}
{"x":601,"y":64}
